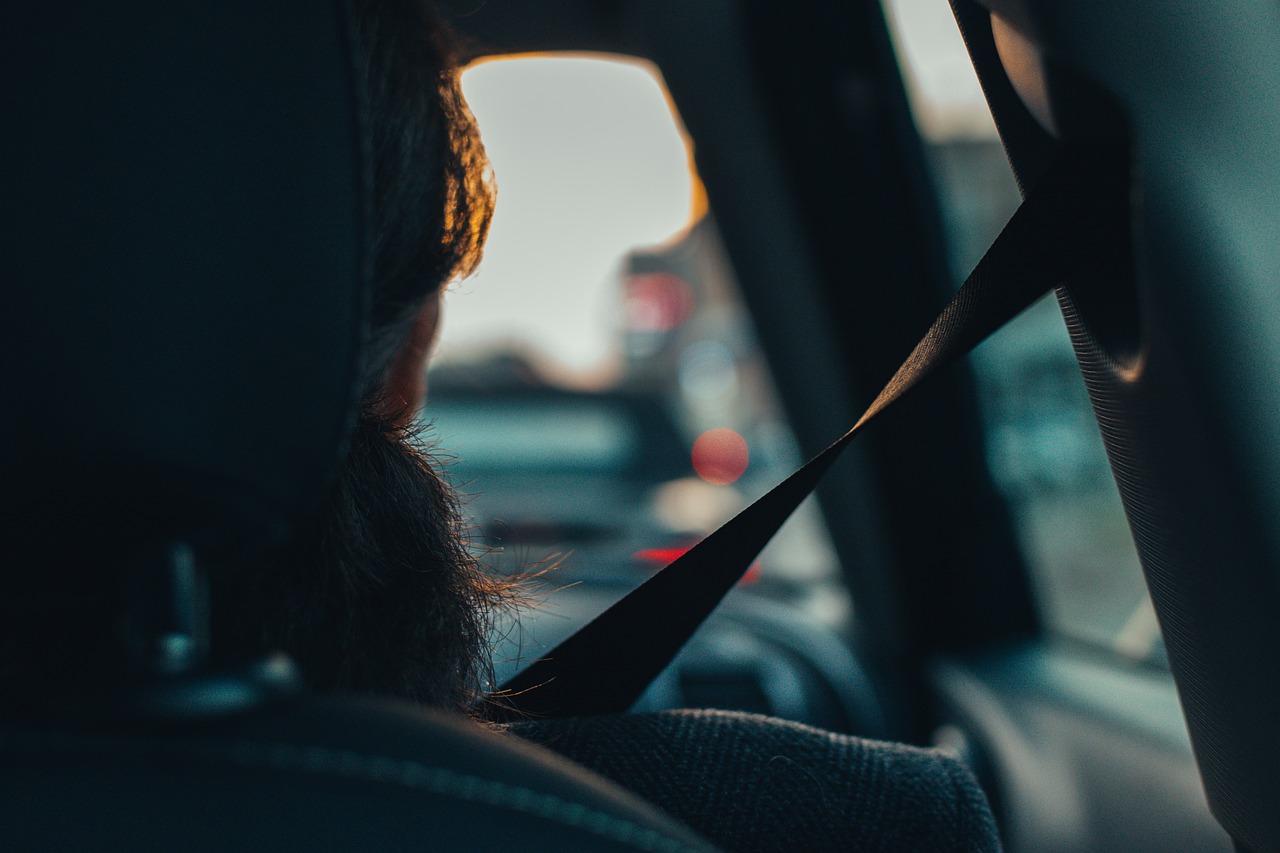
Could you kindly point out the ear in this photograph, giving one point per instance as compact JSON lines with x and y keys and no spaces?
{"x":406,"y":385}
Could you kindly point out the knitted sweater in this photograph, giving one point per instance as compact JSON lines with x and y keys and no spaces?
{"x":750,"y":783}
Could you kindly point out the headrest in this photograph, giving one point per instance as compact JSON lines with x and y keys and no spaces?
{"x":182,"y":265}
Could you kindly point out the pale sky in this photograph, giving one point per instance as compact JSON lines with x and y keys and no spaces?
{"x":590,"y":163}
{"x":944,"y":90}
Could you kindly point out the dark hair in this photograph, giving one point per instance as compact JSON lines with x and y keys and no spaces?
{"x":380,"y":594}
{"x":432,"y":192}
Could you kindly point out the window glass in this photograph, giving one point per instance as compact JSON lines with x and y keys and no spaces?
{"x":1043,"y":444}
{"x":598,"y":379}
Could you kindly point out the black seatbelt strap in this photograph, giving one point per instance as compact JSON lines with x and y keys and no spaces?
{"x":1075,"y":216}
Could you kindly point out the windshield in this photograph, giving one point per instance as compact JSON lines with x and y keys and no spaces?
{"x":599,"y":379}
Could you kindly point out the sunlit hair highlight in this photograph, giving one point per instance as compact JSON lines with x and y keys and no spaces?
{"x":433,"y":190}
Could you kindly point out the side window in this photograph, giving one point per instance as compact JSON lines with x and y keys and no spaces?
{"x":1043,"y":444}
{"x":598,"y":379}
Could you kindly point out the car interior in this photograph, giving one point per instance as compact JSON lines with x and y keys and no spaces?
{"x":1054,"y":558}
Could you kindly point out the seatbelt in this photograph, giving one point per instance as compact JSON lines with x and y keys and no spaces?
{"x":1075,"y":217}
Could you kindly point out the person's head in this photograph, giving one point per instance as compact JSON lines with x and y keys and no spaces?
{"x":432,"y":198}
{"x":380,"y":594}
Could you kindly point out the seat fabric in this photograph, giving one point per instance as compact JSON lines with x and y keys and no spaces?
{"x":318,"y":775}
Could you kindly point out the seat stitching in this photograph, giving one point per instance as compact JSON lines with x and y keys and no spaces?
{"x":412,"y":774}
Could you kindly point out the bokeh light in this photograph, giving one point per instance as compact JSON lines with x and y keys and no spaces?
{"x":720,"y":456}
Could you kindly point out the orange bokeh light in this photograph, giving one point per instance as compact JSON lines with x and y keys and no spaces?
{"x":720,"y":456}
